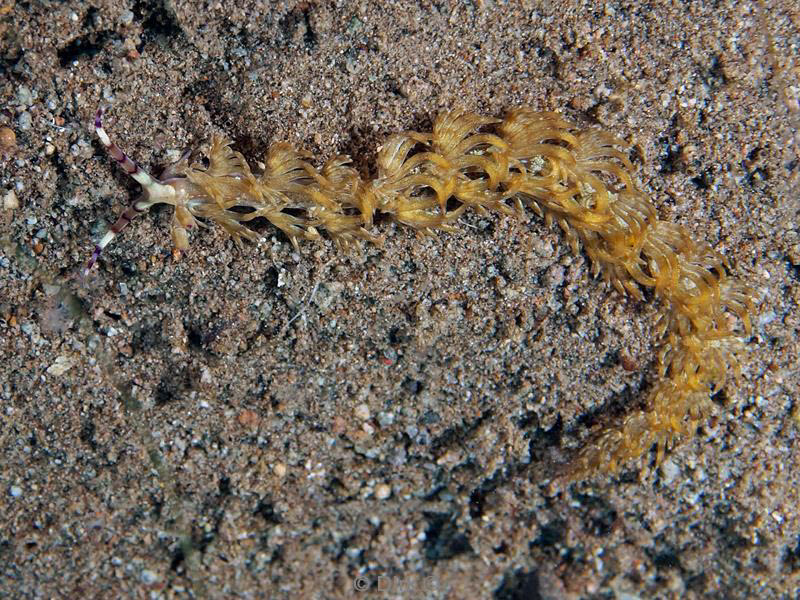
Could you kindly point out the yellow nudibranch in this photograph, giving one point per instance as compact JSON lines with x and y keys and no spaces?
{"x":582,"y":180}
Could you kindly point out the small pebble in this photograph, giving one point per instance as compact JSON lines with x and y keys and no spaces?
{"x":383,"y":491}
{"x":15,"y":491}
{"x":8,"y":139}
{"x":362,"y":412}
{"x":248,"y":418}
{"x":61,"y":365}
{"x":93,"y":341}
{"x":49,"y":149}
{"x":149,"y":577}
{"x":126,"y":18}
{"x":279,"y":469}
{"x":24,"y":120}
{"x":282,"y":278}
{"x":354,"y":553}
{"x":24,"y":95}
{"x":385,"y":419}
{"x":10,"y":200}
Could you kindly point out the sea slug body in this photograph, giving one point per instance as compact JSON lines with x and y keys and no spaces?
{"x":582,"y":180}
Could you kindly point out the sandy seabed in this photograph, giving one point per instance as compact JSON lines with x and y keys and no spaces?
{"x":270,"y":423}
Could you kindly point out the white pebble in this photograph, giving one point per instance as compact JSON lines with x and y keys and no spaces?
{"x":10,"y":200}
{"x":24,"y":96}
{"x":15,"y":491}
{"x":24,"y":120}
{"x":282,"y":278}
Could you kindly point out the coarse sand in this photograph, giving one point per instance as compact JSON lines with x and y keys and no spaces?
{"x":268,"y":423}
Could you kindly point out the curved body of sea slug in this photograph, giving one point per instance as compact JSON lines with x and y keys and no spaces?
{"x":582,"y":180}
